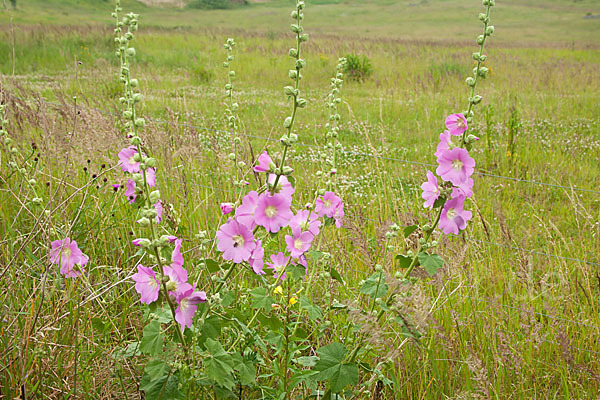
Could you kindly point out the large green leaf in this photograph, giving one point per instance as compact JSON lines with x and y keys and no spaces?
{"x":210,"y":330}
{"x":314,"y":312}
{"x":165,"y":387}
{"x":431,"y":262}
{"x":375,"y":286}
{"x":261,"y":299}
{"x":331,"y":368}
{"x":152,"y":341}
{"x":245,"y":369}
{"x":219,"y":364}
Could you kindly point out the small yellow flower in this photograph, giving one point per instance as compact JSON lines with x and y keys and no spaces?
{"x":293,"y":301}
{"x":278,"y":290}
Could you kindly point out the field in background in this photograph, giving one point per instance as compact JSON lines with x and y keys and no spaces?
{"x":501,"y":320}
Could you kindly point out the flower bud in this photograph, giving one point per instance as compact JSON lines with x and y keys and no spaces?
{"x":130,"y":52}
{"x":225,"y":64}
{"x":470,"y":81}
{"x":288,"y":122}
{"x":140,"y":122}
{"x":37,"y":201}
{"x":154,"y":196}
{"x":300,"y":63}
{"x":127,"y":114}
{"x":293,"y":52}
{"x":144,"y":222}
{"x":137,"y":97}
{"x":304,"y":37}
{"x":480,"y":39}
{"x":289,"y":90}
{"x":293,"y":138}
{"x":296,"y":28}
{"x":136,"y":140}
{"x":294,"y":14}
{"x":301,"y":103}
{"x":286,"y":170}
{"x":231,"y":156}
{"x":32,"y":182}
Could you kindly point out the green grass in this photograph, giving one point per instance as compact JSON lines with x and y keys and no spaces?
{"x":504,"y":323}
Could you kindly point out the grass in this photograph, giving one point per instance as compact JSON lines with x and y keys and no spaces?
{"x":496,"y":322}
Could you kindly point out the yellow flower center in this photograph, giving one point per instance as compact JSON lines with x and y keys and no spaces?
{"x":457,"y":165}
{"x":270,"y":211}
{"x":66,"y":252}
{"x":298,"y":244}
{"x":132,"y":160}
{"x":238,"y":240}
{"x":327,"y":203}
{"x":451,"y":213}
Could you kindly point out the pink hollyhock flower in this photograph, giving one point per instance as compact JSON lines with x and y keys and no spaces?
{"x":299,"y":243}
{"x":455,"y":166}
{"x":284,"y":186}
{"x":159,"y":211}
{"x":302,"y":222}
{"x":178,"y":277}
{"x":444,"y":144}
{"x":130,"y":191}
{"x":454,"y":218}
{"x":116,"y":186}
{"x":431,"y":191}
{"x":171,"y":238}
{"x":146,"y":284}
{"x":456,"y":124}
{"x":226,"y":208}
{"x":256,"y":260}
{"x":140,"y":242}
{"x":176,"y":256}
{"x":236,"y":241}
{"x":466,"y":189}
{"x":244,"y":214}
{"x":66,"y":254}
{"x":339,"y":215}
{"x":151,"y":177}
{"x":126,"y":160}
{"x":327,"y":204}
{"x":278,"y":264}
{"x":263,"y":162}
{"x":273,"y":212}
{"x":188,"y":301}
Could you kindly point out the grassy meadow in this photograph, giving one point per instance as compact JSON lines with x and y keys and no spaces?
{"x":513,"y":314}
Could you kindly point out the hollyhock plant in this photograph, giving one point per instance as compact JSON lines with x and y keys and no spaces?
{"x":263,"y":163}
{"x":67,"y":254}
{"x":466,"y":189}
{"x":235,"y":241}
{"x":226,"y":208}
{"x":151,"y":177}
{"x":244,"y":214}
{"x":302,"y":221}
{"x":278,"y":264}
{"x":146,"y":284}
{"x":455,"y":166}
{"x":456,"y":124}
{"x":176,"y":256}
{"x":327,"y":204}
{"x":159,"y":211}
{"x":445,"y":141}
{"x":431,"y":190}
{"x":273,"y":212}
{"x":256,"y":260}
{"x":299,"y":243}
{"x":453,"y":218}
{"x":127,"y":161}
{"x":284,"y":186}
{"x":130,"y":190}
{"x":188,"y":301}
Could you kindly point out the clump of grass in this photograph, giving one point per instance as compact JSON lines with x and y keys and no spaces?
{"x":357,"y":67}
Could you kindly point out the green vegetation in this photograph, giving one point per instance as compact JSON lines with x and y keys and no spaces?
{"x":496,"y":322}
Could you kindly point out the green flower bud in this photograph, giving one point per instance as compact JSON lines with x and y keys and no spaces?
{"x":137,"y":97}
{"x":150,"y":162}
{"x":287,"y":170}
{"x":292,"y":73}
{"x":37,"y":201}
{"x":289,"y":90}
{"x":231,"y":156}
{"x":301,"y":103}
{"x":127,"y":114}
{"x":470,"y":81}
{"x":300,"y":63}
{"x":296,"y":28}
{"x":304,"y":37}
{"x":480,"y":39}
{"x":140,"y":122}
{"x":137,"y":178}
{"x":475,"y":99}
{"x":483,"y":72}
{"x":226,"y":65}
{"x":130,"y":52}
{"x":144,"y":222}
{"x":136,"y":140}
{"x":154,"y":196}
{"x":378,"y":268}
{"x":294,"y":14}
{"x":32,"y":182}
{"x":293,"y":138}
{"x":232,"y":73}
{"x":288,"y":122}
